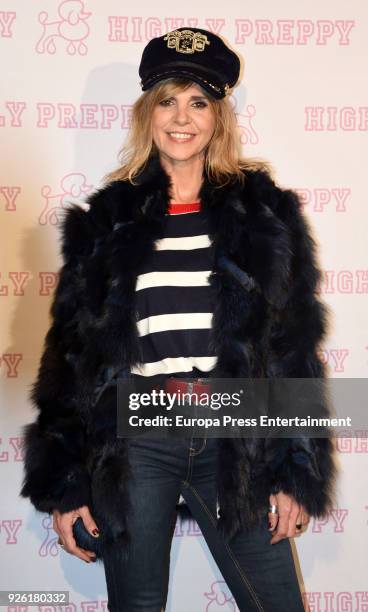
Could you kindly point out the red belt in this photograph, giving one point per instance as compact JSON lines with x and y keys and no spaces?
{"x":180,"y":386}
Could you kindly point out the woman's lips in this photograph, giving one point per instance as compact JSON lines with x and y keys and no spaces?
{"x":181,"y":139}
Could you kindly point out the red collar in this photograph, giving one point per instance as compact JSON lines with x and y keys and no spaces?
{"x":176,"y":208}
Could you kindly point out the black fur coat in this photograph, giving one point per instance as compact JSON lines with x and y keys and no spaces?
{"x":268,"y":322}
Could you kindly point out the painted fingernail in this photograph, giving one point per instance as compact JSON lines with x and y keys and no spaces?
{"x":95,"y":532}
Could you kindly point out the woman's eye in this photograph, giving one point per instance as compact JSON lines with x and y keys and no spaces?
{"x":199,"y":103}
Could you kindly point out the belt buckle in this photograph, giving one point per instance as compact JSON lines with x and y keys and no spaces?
{"x":201,"y":381}
{"x":190,"y":386}
{"x":197,"y":381}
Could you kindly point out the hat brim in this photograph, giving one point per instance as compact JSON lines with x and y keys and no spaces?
{"x":215,"y":90}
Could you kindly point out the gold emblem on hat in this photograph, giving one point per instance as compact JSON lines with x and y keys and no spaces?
{"x":186,"y":41}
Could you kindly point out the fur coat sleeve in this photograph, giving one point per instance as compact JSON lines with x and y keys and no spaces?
{"x":54,"y":467}
{"x":303,"y":467}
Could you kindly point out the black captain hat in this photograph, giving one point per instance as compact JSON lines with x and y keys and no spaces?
{"x":196,"y":54}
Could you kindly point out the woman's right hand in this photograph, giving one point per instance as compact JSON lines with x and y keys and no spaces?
{"x":63,"y":525}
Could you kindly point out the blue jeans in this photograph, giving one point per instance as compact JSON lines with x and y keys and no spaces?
{"x":259,"y":575}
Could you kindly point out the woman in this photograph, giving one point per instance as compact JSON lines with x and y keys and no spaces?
{"x":135,"y":300}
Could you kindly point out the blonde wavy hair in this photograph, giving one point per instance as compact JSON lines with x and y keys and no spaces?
{"x":223,"y":156}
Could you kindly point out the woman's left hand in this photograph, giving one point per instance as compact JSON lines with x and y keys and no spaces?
{"x":290,"y":514}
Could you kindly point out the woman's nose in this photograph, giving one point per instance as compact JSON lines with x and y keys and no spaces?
{"x":181,"y":115}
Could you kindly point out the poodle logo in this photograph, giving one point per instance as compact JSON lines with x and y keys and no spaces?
{"x":72,"y":186}
{"x":71,"y":27}
{"x":220,"y":598}
{"x":247,"y":132}
{"x":49,"y":545}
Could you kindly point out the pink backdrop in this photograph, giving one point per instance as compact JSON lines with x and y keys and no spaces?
{"x":69,"y":78}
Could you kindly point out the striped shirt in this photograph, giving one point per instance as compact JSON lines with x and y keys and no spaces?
{"x":174,"y":300}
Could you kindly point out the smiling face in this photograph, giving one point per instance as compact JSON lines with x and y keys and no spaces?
{"x":182,"y":125}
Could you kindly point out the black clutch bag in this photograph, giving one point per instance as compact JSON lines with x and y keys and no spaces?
{"x":85,"y":540}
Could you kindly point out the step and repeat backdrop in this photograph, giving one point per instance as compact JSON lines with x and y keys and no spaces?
{"x":69,"y":77}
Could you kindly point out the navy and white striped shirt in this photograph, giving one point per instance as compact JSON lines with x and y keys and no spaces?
{"x":174,"y":301}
